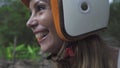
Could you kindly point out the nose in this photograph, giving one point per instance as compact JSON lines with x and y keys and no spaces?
{"x":32,"y":23}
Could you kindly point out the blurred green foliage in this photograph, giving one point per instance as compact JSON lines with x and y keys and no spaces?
{"x":114,"y":21}
{"x":13,"y":18}
{"x":22,"y":51}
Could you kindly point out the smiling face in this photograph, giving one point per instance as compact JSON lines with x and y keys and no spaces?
{"x":42,"y":24}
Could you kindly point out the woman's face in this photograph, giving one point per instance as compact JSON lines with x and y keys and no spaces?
{"x":42,"y":24}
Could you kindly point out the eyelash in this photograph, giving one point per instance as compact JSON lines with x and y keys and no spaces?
{"x":40,"y":7}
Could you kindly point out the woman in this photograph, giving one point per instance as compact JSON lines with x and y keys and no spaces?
{"x":88,"y":52}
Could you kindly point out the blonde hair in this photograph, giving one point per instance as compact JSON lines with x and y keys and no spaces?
{"x":90,"y":52}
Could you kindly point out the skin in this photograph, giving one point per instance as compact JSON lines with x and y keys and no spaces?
{"x":41,"y":20}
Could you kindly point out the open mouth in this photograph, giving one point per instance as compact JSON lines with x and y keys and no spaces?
{"x":41,"y":35}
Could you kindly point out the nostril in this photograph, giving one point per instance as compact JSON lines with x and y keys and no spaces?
{"x":32,"y":24}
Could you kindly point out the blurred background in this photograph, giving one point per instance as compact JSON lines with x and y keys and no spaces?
{"x":17,"y":42}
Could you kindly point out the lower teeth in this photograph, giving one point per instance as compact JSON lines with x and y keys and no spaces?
{"x":40,"y":36}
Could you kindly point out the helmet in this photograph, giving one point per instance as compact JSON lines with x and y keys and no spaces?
{"x":76,"y":19}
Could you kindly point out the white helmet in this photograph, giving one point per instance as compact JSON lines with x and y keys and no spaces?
{"x":75,"y":19}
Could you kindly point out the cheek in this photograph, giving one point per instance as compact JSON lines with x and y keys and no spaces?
{"x":50,"y":20}
{"x":51,"y":25}
{"x":52,"y":44}
{"x":55,"y":45}
{"x":47,"y":20}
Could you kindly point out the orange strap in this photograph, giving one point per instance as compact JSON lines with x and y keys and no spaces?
{"x":56,"y":17}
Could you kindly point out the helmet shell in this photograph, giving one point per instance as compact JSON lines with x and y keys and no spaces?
{"x":76,"y":19}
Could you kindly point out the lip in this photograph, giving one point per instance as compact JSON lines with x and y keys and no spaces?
{"x":39,"y":30}
{"x":41,"y":33}
{"x":41,"y":40}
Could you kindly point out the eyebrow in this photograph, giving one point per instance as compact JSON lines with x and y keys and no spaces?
{"x":44,"y":0}
{"x":47,"y":1}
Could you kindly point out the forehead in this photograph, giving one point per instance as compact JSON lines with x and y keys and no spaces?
{"x":33,"y":3}
{"x":39,"y":0}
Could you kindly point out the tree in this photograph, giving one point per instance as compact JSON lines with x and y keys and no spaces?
{"x":114,"y":25}
{"x":13,"y":23}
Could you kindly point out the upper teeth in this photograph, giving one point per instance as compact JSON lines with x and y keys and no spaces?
{"x":41,"y":35}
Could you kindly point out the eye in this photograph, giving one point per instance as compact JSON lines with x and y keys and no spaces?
{"x":40,"y":7}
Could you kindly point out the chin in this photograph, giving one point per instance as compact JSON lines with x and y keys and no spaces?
{"x":46,"y":48}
